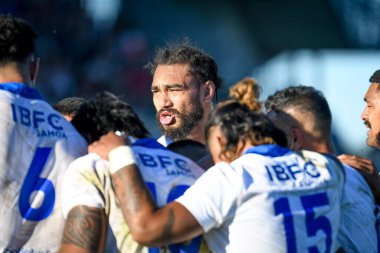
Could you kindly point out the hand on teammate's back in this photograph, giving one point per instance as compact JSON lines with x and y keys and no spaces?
{"x":367,"y":169}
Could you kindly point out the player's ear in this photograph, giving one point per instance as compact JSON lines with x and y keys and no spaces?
{"x":297,"y":139}
{"x":34,"y":65}
{"x":208,"y":91}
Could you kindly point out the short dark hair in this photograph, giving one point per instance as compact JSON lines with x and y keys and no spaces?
{"x":306,"y":99}
{"x":105,"y":113}
{"x":375,"y":78}
{"x":201,"y":65}
{"x":238,"y":123}
{"x":69,"y":106}
{"x":16,"y":39}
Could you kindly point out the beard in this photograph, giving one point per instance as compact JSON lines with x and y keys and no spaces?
{"x":374,"y":140}
{"x":378,"y":141}
{"x":188,"y":120}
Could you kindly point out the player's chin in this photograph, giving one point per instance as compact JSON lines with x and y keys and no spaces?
{"x":373,"y":142}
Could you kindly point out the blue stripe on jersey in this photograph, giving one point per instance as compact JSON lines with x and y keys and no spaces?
{"x":271,"y":150}
{"x":22,"y":90}
{"x":148,"y":143}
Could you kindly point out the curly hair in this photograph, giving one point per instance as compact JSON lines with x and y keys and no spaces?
{"x":201,"y":65}
{"x":16,"y":39}
{"x":307,"y":99}
{"x":238,"y":124}
{"x":106,"y":112}
{"x":247,"y":91}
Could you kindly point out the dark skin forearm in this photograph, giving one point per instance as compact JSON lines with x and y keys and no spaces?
{"x":150,"y":225}
{"x":85,"y":230}
{"x":134,"y":198}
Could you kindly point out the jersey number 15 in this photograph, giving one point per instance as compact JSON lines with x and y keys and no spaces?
{"x":313,"y":224}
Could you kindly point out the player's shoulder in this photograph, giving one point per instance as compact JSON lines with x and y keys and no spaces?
{"x":85,"y":163}
{"x":322,"y":159}
{"x":193,"y":150}
{"x":153,"y":147}
{"x":354,"y":180}
{"x":325,"y":162}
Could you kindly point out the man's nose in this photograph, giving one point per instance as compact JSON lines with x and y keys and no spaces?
{"x":166,"y":100}
{"x":364,"y":115}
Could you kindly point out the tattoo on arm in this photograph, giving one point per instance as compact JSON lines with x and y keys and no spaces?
{"x":150,"y":225}
{"x":85,"y":228}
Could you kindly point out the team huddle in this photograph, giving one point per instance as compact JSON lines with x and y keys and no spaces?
{"x":234,"y":176}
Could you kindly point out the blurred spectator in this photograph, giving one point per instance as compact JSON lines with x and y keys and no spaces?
{"x":84,"y":53}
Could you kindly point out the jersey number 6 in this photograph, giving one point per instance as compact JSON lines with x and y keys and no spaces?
{"x":33,"y":183}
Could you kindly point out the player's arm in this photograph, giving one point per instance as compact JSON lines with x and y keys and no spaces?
{"x":84,"y":230}
{"x":149,"y":225}
{"x":367,"y":169}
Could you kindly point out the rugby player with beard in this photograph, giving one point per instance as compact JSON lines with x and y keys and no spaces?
{"x":371,"y":118}
{"x":185,"y":81}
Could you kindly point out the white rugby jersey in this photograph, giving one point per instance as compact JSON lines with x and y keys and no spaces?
{"x":37,"y":145}
{"x":359,"y":228}
{"x":269,"y":200}
{"x":166,"y":174}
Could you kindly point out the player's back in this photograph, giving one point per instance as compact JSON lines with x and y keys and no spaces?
{"x":277,"y":201}
{"x":36,"y":148}
{"x":167,"y":175}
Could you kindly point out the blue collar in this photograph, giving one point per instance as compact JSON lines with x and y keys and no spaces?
{"x":271,"y":150}
{"x":22,"y":90}
{"x":148,"y":143}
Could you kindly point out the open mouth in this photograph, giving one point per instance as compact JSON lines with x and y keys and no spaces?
{"x":368,"y":125}
{"x":167,"y":118}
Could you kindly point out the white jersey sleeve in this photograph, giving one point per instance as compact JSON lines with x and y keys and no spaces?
{"x":37,"y":145}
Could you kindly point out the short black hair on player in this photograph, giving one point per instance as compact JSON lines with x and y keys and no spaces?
{"x":375,"y":78}
{"x":17,"y":39}
{"x":105,"y":113}
{"x":306,"y":99}
{"x":69,"y":106}
{"x":239,"y":124}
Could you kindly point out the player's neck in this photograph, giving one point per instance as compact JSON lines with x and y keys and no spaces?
{"x":11,"y":73}
{"x":323,"y":146}
{"x":198,"y":134}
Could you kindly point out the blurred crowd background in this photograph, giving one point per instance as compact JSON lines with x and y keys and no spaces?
{"x":87,"y":46}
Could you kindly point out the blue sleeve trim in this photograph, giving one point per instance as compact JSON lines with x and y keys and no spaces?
{"x":271,"y":150}
{"x":22,"y":90}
